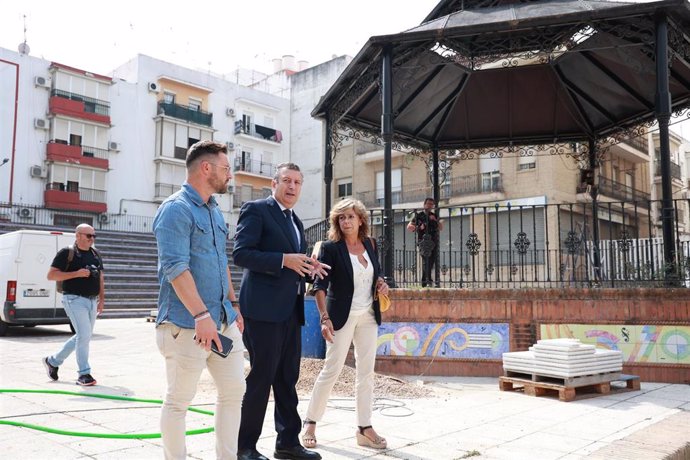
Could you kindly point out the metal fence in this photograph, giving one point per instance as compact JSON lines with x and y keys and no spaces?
{"x":547,"y":245}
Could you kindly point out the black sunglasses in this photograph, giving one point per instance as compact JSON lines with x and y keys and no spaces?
{"x":91,"y":236}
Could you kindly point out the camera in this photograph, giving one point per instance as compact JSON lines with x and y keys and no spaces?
{"x":95,"y":272}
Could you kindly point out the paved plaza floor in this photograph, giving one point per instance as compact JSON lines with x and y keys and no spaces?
{"x":462,"y":417}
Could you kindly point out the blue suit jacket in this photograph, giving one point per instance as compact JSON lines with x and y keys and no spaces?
{"x":268,"y":292}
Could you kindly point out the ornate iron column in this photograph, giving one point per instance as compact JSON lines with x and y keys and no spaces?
{"x":437,"y":197}
{"x":328,"y":164}
{"x":594,"y":192}
{"x":387,"y":136}
{"x":663,"y":115}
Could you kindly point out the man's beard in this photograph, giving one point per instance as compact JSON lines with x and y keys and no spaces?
{"x":221,"y":187}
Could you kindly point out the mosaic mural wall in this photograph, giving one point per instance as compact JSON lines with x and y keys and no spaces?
{"x":444,"y":340}
{"x":639,"y":344}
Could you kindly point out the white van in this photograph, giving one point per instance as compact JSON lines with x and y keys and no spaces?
{"x":29,"y":298}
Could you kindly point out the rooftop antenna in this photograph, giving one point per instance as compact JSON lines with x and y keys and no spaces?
{"x":23,"y":47}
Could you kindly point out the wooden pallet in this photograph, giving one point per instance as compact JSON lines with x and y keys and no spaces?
{"x":565,"y":393}
{"x":579,"y":381}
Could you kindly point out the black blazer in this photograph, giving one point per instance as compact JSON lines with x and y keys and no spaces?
{"x":339,"y":283}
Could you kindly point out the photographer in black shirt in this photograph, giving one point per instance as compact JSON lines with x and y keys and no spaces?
{"x":79,"y":269}
{"x":427,"y":226}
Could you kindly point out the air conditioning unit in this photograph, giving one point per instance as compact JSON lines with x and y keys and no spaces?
{"x":153,"y":87}
{"x":231,"y":145}
{"x":103,"y":218}
{"x":41,"y":123}
{"x":230,"y":112}
{"x":41,"y":82}
{"x":114,"y":146}
{"x":25,"y":213}
{"x":231,"y":189}
{"x":38,"y":171}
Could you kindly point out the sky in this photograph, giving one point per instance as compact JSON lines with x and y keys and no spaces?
{"x":202,"y":34}
{"x":217,"y":36}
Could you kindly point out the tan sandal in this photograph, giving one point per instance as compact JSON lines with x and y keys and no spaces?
{"x":363,"y":440}
{"x":309,"y":439}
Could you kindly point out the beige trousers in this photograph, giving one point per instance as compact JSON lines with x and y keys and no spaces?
{"x":361,"y":330}
{"x":184,"y":362}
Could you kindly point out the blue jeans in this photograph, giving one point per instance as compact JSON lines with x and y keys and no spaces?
{"x":82,"y":312}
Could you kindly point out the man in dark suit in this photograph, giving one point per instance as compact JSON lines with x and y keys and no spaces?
{"x":270,"y":246}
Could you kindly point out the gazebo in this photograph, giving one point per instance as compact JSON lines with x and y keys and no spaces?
{"x":496,"y":77}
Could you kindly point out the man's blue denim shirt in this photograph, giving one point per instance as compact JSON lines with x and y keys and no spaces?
{"x":191,"y":235}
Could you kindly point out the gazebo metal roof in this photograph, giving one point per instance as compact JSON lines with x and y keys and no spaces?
{"x":519,"y":73}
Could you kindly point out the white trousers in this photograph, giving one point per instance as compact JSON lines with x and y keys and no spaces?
{"x":184,"y":362}
{"x":361,"y":330}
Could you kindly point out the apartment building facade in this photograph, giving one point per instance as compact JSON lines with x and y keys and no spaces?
{"x":96,"y":148}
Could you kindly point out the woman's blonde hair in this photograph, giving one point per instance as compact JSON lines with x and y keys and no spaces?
{"x":334,"y":232}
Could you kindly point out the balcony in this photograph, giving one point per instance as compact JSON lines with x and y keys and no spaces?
{"x":254,"y":167}
{"x":165,"y":190}
{"x":57,"y":196}
{"x":244,"y":194}
{"x":456,"y":187}
{"x":258,"y":131}
{"x":639,"y":142}
{"x":675,"y":170}
{"x":185,"y":113}
{"x":78,"y":106}
{"x":620,"y":191}
{"x":62,"y":152}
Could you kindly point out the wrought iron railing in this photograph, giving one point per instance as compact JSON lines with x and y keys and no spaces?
{"x":456,"y":186}
{"x":620,"y":191}
{"x":638,"y":142}
{"x":244,"y":194}
{"x":675,"y":170}
{"x":185,"y":113}
{"x":94,"y":152}
{"x":255,"y":167}
{"x":91,"y":105}
{"x":542,"y":246}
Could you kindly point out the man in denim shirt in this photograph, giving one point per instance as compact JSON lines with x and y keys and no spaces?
{"x":194,"y":304}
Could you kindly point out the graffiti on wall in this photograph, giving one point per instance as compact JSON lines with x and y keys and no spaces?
{"x":639,"y":344}
{"x":443,"y":340}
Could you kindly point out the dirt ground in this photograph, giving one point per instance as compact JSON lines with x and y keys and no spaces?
{"x":384,"y":386}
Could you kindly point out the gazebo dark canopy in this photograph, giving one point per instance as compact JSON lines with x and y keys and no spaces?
{"x":485,"y":76}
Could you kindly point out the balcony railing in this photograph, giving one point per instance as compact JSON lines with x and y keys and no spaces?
{"x":549,"y":245}
{"x":165,"y":190}
{"x":620,"y":191}
{"x":242,"y":195}
{"x":91,"y":105}
{"x":675,"y":170}
{"x":457,"y":186}
{"x":185,"y":113}
{"x":255,"y":167}
{"x":258,"y":131}
{"x":640,"y":143}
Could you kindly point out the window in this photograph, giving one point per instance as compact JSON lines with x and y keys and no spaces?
{"x":526,"y":163}
{"x":75,"y":139}
{"x":194,"y":104}
{"x":344,"y":187}
{"x":491,"y":181}
{"x":168,"y":98}
{"x":396,"y":186}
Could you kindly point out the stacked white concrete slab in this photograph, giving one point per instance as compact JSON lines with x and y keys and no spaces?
{"x":563,"y":358}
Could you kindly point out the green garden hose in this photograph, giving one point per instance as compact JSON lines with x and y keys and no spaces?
{"x":98,"y":435}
